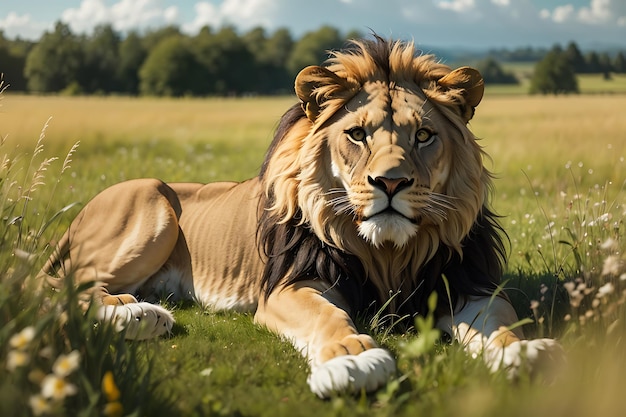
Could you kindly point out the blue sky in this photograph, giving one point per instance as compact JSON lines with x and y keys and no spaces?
{"x":441,"y":23}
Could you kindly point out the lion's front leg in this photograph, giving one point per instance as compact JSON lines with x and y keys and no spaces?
{"x":483,"y":325}
{"x":315,"y":320}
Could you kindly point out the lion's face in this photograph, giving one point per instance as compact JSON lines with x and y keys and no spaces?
{"x":383,"y":155}
{"x":390,"y":156}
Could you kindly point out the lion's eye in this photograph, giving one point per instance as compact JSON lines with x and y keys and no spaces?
{"x":424,"y":137}
{"x":357,"y":134}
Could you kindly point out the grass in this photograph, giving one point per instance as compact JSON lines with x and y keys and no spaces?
{"x":587,"y":83}
{"x":560,"y":168}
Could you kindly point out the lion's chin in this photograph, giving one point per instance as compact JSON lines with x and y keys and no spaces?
{"x":387,"y":227}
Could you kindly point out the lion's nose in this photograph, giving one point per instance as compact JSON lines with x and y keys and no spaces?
{"x":391,"y":186}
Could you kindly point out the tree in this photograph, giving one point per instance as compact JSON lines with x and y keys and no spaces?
{"x":606,"y":66}
{"x":54,"y":62}
{"x":152,"y":38}
{"x":236,"y":67}
{"x":132,"y":54}
{"x":313,"y":48}
{"x":594,"y":65}
{"x":170,"y":69}
{"x":553,"y":75}
{"x":99,"y":72}
{"x":575,"y":58}
{"x":12,"y":62}
{"x":228,"y":65}
{"x":270,"y":55}
{"x":493,"y":73}
{"x":619,"y":63}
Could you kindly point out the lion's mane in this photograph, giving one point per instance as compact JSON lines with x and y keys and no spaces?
{"x":303,"y":238}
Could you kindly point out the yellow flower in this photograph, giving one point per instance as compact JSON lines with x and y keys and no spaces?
{"x":58,"y":388}
{"x":22,"y":339}
{"x":113,"y":409}
{"x":16,"y":359}
{"x":66,"y":364}
{"x":39,"y":405}
{"x":109,"y":388}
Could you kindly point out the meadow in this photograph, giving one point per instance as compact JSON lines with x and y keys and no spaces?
{"x":559,"y":168}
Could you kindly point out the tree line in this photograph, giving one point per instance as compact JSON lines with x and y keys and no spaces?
{"x":166,"y":62}
{"x":556,"y":72}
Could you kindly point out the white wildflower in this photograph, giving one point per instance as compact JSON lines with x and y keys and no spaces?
{"x":22,"y":339}
{"x":57,"y":388}
{"x":612,"y":265}
{"x":605,"y":290}
{"x":609,"y":244}
{"x":17,"y":359}
{"x":576,"y":292}
{"x":39,"y":405}
{"x":66,"y":364}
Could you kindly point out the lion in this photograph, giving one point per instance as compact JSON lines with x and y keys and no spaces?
{"x":372,"y":196}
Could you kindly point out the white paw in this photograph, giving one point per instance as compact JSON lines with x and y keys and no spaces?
{"x":351,"y":373}
{"x":141,"y":320}
{"x":529,"y":355}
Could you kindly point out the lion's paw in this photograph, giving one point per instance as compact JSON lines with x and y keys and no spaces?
{"x":367,"y":371}
{"x":141,"y":320}
{"x":537,"y":355}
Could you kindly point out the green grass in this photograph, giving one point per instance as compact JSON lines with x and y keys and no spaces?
{"x":559,"y":163}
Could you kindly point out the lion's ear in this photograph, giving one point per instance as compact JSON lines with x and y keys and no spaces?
{"x":315,"y":85}
{"x":472,"y":87}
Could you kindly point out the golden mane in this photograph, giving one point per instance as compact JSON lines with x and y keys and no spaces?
{"x":297,"y":178}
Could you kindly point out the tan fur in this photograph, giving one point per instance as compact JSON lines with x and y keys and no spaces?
{"x":194,"y":241}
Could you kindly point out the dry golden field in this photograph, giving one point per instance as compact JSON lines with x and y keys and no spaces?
{"x":512,"y":127}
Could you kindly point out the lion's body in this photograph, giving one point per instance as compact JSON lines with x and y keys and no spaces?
{"x":213,"y":259}
{"x":372,"y":189}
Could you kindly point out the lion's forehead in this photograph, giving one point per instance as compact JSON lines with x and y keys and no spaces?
{"x":389,"y":106}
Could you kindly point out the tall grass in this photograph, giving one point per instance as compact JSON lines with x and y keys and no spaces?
{"x":54,"y":359}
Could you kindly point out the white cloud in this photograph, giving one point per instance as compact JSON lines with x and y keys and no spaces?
{"x":243,"y":14}
{"x":123,"y":15}
{"x":14,"y":25}
{"x":89,"y":14}
{"x":563,"y":13}
{"x":459,"y":6}
{"x":599,"y":12}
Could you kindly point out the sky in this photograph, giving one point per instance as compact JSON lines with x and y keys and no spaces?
{"x":438,"y":23}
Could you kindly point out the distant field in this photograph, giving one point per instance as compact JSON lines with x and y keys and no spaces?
{"x":560,"y":169}
{"x":587,"y":83}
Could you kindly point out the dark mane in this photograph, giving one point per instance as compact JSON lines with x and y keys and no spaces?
{"x":293,"y":252}
{"x":291,"y":116}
